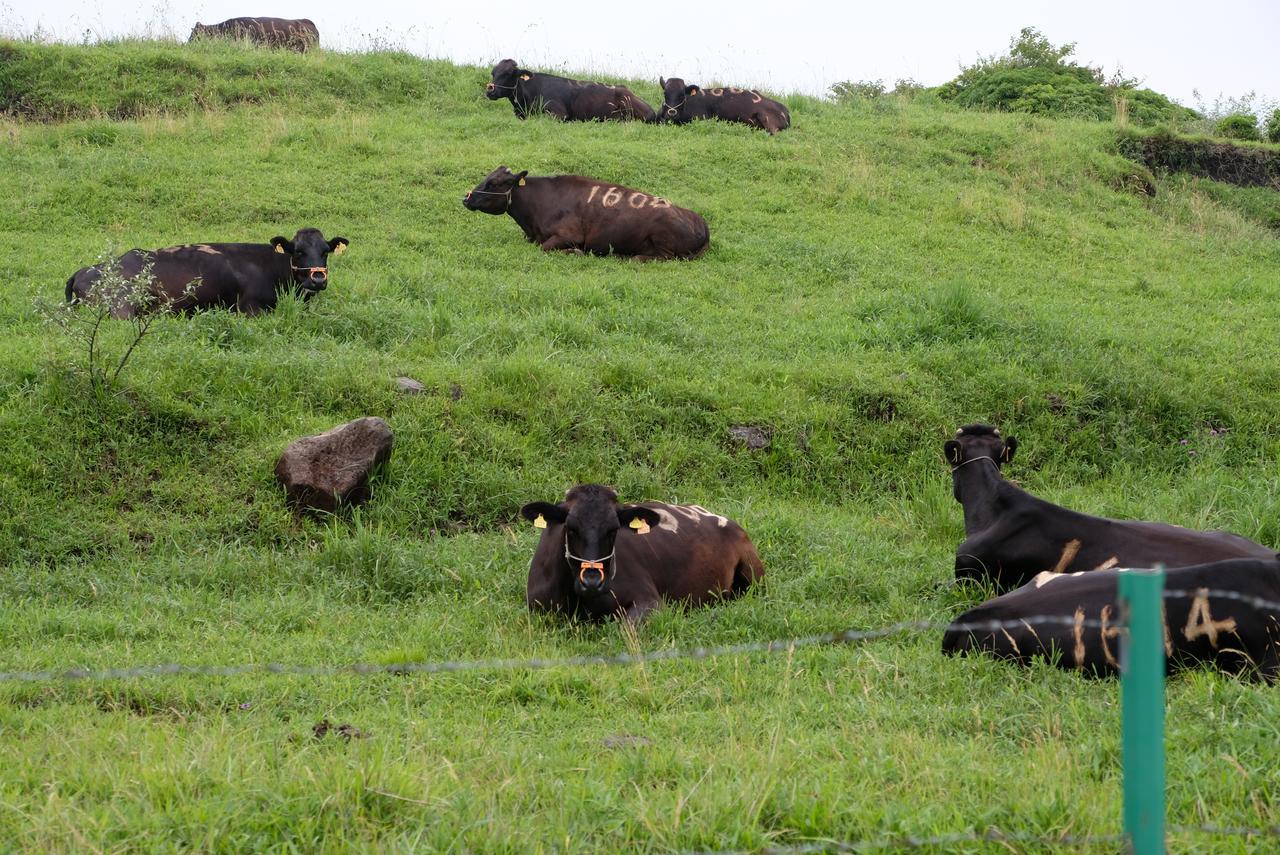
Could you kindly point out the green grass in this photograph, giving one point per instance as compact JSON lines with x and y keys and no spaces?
{"x":878,"y":275}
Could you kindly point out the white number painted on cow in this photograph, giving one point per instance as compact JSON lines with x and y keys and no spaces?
{"x":694,"y":513}
{"x":1200,"y":621}
{"x":636,"y":200}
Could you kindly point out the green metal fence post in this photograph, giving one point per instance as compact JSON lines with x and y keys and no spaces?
{"x":1142,"y":708}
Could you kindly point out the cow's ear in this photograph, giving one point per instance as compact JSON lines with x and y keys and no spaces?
{"x":1010,"y":446}
{"x":691,"y":90}
{"x":638,"y":518}
{"x":338,"y":245}
{"x":524,"y":75}
{"x":952,"y":452}
{"x":662,"y":83}
{"x":541,"y":513}
{"x":282,"y":244}
{"x":520,"y":177}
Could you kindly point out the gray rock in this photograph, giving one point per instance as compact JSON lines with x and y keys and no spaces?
{"x":410,"y":386}
{"x":753,"y":437}
{"x":331,"y":469}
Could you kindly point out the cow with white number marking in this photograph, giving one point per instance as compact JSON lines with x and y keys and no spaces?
{"x":1238,"y":632}
{"x":586,"y":215}
{"x":684,"y":103}
{"x":597,"y":558}
{"x":1011,"y":535}
{"x":568,"y":100}
{"x":243,"y":277}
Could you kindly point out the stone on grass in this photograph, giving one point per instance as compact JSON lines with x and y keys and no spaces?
{"x":331,"y":469}
{"x":410,"y":386}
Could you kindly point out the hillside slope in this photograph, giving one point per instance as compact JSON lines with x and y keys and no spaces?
{"x":878,"y":275}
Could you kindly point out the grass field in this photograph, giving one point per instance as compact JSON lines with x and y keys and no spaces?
{"x":878,"y":275}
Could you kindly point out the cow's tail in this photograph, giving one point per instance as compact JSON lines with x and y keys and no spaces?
{"x":635,"y":108}
{"x":71,"y":289}
{"x":749,"y":569}
{"x":702,"y":233}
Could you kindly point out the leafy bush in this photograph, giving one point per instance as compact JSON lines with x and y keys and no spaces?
{"x":1035,"y":77}
{"x":1271,"y":130}
{"x":855,"y":90}
{"x":1240,"y":126}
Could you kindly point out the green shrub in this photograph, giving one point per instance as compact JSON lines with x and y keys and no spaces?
{"x":857,"y":90}
{"x":1035,"y":77}
{"x":1240,"y":126}
{"x":1271,"y":129}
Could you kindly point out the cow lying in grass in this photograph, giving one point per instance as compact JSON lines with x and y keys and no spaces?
{"x":682,"y":104}
{"x":243,"y":277}
{"x":578,"y":214}
{"x":1200,"y":625}
{"x":597,"y":558}
{"x":293,"y":33}
{"x":1011,"y":536}
{"x":568,"y":100}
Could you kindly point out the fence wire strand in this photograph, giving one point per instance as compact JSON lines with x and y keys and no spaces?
{"x":846,"y":636}
{"x":448,"y":666}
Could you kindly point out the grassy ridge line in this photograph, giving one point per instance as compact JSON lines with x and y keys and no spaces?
{"x":132,"y":79}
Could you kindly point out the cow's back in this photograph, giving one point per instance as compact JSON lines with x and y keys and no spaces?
{"x":691,"y":555}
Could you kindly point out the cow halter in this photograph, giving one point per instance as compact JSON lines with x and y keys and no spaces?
{"x":585,"y":564}
{"x":499,"y":86}
{"x":672,"y":110}
{"x":496,"y":193}
{"x":985,"y":457}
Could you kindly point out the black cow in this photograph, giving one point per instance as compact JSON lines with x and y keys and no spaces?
{"x":1011,"y":536}
{"x":578,"y":214}
{"x":1200,"y":624}
{"x":597,"y":558}
{"x":568,"y":100}
{"x":683,"y":104}
{"x":294,"y":33}
{"x":243,"y":277}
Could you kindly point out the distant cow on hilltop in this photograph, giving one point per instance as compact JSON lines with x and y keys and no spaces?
{"x":568,"y":100}
{"x":579,"y":214}
{"x":294,"y":33}
{"x":682,"y":104}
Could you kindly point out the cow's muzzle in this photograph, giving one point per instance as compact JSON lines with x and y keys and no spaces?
{"x":312,"y":278}
{"x":592,"y":575}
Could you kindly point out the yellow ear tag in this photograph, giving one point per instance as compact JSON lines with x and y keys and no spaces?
{"x":521,"y":182}
{"x":339,"y":249}
{"x":279,"y":249}
{"x":524,"y":77}
{"x":540,"y":522}
{"x":640,"y":526}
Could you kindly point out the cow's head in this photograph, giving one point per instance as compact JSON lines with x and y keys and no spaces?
{"x":493,"y":194}
{"x":199,"y":31}
{"x":503,"y":83}
{"x":308,"y":258}
{"x":976,"y":443}
{"x":591,"y":517}
{"x":674,"y":95}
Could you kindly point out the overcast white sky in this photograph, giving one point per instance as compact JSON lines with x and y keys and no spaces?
{"x":1228,"y":47}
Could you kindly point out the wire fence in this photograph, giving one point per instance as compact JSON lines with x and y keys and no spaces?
{"x":846,"y":636}
{"x":448,"y":666}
